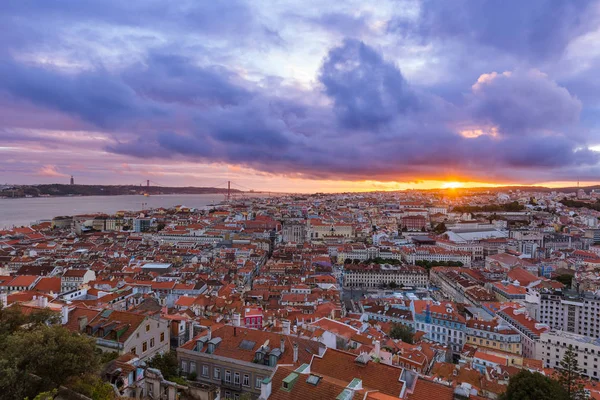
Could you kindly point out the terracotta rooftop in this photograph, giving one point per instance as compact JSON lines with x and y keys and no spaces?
{"x":343,"y":366}
{"x":232,"y":338}
{"x":325,"y":387}
{"x":427,"y":390}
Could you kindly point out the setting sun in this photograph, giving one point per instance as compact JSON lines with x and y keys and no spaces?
{"x":452,"y":185}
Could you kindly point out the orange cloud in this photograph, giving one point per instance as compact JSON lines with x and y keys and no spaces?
{"x":50,"y":171}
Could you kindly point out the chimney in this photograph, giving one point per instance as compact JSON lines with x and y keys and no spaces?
{"x":43,"y":302}
{"x":209,"y":333}
{"x":65,"y":314}
{"x":83,"y":320}
{"x":285,"y":327}
{"x":4,"y":299}
{"x":191,"y":330}
{"x":377,"y":348}
{"x":237,"y":319}
{"x":282,"y":345}
{"x":295,"y":353}
{"x":265,"y":389}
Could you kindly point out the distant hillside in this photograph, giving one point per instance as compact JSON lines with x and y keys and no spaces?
{"x":104,"y":190}
{"x":525,"y":189}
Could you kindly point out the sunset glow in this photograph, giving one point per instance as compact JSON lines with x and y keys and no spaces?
{"x":452,"y":185}
{"x":338,"y":96}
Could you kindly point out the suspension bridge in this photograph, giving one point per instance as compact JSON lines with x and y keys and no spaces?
{"x":233,"y":190}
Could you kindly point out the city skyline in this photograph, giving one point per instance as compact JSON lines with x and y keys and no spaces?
{"x":301,"y":97}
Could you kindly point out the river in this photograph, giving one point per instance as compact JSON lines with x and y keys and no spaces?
{"x":25,"y":211}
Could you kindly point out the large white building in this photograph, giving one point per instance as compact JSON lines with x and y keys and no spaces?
{"x":579,"y":314}
{"x":554,"y":344}
{"x":435,"y":253}
{"x":294,"y":232}
{"x":529,"y":329}
{"x":373,"y":275}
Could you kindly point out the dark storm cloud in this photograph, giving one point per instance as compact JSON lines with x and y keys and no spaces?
{"x":93,"y":96}
{"x":177,"y":79}
{"x":367,"y":90}
{"x":364,"y":118}
{"x":523,"y":100}
{"x":379,"y":127}
{"x":533,"y":29}
{"x":388,"y":130}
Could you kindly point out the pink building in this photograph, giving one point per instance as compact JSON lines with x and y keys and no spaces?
{"x":253,"y":317}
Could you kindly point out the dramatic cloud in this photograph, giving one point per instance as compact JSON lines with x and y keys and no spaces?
{"x":367,"y":90}
{"x":522,"y":101}
{"x":401,"y":91}
{"x":531,"y":29}
{"x":93,"y":96}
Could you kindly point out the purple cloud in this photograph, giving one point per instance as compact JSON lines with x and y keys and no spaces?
{"x":367,"y":90}
{"x":534,"y":29}
{"x":523,"y":100}
{"x":195,"y":82}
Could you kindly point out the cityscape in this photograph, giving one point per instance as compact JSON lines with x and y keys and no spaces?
{"x":298,"y":200}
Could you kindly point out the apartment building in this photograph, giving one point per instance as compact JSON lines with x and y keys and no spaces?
{"x":73,"y":279}
{"x":529,"y":329}
{"x":567,"y":311}
{"x":294,"y":232}
{"x":441,"y":323}
{"x":508,"y":292}
{"x":494,"y":335}
{"x":435,"y":253}
{"x":238,"y":359}
{"x":121,"y":331}
{"x":474,"y":248}
{"x":318,"y":229}
{"x":554,"y":344}
{"x":357,"y":251}
{"x":374,"y":275}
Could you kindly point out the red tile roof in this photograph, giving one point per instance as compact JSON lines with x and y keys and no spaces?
{"x":343,"y":366}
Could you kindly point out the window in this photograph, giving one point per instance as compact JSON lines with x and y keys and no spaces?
{"x":162,"y":336}
{"x":217,"y":373}
{"x":227,"y":376}
{"x":184,"y":366}
{"x":258,"y":382}
{"x":205,"y":370}
{"x":236,"y":378}
{"x":144,"y":347}
{"x":151,"y":342}
{"x":192,"y":366}
{"x":134,"y":350}
{"x":147,"y":327}
{"x":246,"y":381}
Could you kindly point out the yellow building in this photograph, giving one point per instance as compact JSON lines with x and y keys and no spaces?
{"x":492,"y":335}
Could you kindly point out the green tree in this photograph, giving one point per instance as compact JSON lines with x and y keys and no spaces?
{"x":93,"y":387}
{"x":402,"y":332}
{"x":569,"y":375}
{"x":165,"y":363}
{"x":565,"y":279}
{"x":440,"y":228}
{"x":49,"y":395}
{"x":528,"y":385}
{"x":46,"y":357}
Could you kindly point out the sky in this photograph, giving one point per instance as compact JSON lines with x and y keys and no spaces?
{"x":300,"y":96}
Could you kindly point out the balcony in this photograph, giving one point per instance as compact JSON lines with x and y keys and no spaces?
{"x":231,"y":385}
